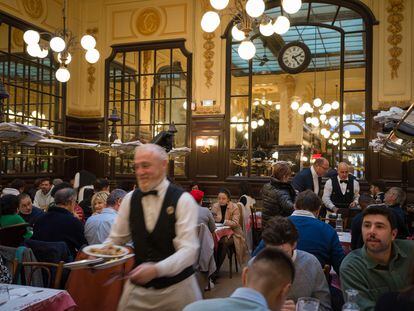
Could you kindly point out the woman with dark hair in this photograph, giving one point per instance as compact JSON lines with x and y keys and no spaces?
{"x":278,"y":195}
{"x":228,"y":213}
{"x":9,"y":205}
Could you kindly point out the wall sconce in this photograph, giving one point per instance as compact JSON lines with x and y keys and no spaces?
{"x":205,"y":144}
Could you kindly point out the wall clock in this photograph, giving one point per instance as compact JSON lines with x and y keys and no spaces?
{"x":294,"y":57}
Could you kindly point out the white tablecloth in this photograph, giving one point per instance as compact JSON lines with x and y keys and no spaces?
{"x":37,"y":298}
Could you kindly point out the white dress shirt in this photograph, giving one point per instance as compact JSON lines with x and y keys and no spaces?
{"x":315,"y":180}
{"x":186,"y":240}
{"x":98,"y":227}
{"x":42,"y":200}
{"x":327,"y":192}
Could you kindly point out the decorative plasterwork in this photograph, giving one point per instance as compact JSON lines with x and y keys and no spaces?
{"x":148,"y":21}
{"x":208,"y":51}
{"x":147,"y":60}
{"x":395,"y":17}
{"x":33,"y":8}
{"x":91,"y":68}
{"x":290,"y":88}
{"x":215,"y":109}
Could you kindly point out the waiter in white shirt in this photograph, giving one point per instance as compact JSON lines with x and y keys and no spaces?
{"x":161,"y":220}
{"x":341,"y":191}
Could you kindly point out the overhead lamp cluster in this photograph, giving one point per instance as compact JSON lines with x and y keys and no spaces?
{"x":249,"y":17}
{"x":346,"y":140}
{"x":317,"y":105}
{"x":61,"y":43}
{"x":263,"y":101}
{"x":241,"y":127}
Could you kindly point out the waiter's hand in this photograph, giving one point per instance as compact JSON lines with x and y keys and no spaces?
{"x":143,"y":273}
{"x":353,"y":204}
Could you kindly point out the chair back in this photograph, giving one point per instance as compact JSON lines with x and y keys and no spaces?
{"x":48,"y":269}
{"x":12,"y":236}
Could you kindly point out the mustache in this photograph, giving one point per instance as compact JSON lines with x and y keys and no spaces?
{"x":373,"y":239}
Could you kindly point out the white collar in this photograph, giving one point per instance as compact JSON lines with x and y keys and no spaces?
{"x":162,"y":185}
{"x":314,"y":174}
{"x":294,"y":255}
{"x":304,"y":213}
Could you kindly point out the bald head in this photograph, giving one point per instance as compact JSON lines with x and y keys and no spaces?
{"x":321,"y":166}
{"x":343,"y":170}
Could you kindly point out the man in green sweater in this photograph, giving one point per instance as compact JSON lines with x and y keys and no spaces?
{"x":383,"y":264}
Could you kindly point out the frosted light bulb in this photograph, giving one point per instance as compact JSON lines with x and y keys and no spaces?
{"x":266,"y":29}
{"x":254,"y":125}
{"x":260,"y":122}
{"x":335,"y":105}
{"x":239,"y":127}
{"x":246,"y":50}
{"x":322,"y":117}
{"x":317,"y":102}
{"x":281,"y":25}
{"x":308,"y":120}
{"x":256,"y":103}
{"x":332,"y":122}
{"x":43,"y":53}
{"x":327,"y":107}
{"x":301,"y":111}
{"x":57,"y":44}
{"x":219,"y":4}
{"x":294,"y":105}
{"x":31,"y":37}
{"x":255,"y":8}
{"x":291,"y":6}
{"x":92,"y":56}
{"x":88,"y":42}
{"x":210,"y":21}
{"x":33,"y":50}
{"x":277,"y":107}
{"x":237,"y":34}
{"x":62,"y":75}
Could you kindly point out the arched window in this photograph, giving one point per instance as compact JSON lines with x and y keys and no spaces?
{"x":149,"y":84}
{"x":264,"y":125}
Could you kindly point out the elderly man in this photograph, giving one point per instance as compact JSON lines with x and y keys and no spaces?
{"x":311,"y":178}
{"x":43,"y":196}
{"x":27,"y":211}
{"x":59,"y":223}
{"x":341,"y":191}
{"x":383,"y":264}
{"x":161,"y":219}
{"x":98,"y":227}
{"x":266,"y":282}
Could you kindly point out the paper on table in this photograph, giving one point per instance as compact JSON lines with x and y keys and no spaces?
{"x":18,"y":292}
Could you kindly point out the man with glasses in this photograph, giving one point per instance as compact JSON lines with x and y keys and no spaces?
{"x":311,"y":178}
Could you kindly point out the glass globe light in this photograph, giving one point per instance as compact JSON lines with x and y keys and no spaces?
{"x":68,"y":58}
{"x":330,"y":141}
{"x":327,"y":134}
{"x":335,"y":135}
{"x":335,"y":142}
{"x":33,"y":50}
{"x":306,"y":106}
{"x":260,"y":122}
{"x":327,"y":107}
{"x":88,"y":42}
{"x":332,"y":122}
{"x":317,"y":102}
{"x":246,"y":136}
{"x":185,"y":105}
{"x":344,"y":140}
{"x":219,"y":4}
{"x":247,"y":50}
{"x":308,"y":120}
{"x":237,"y":34}
{"x":256,"y":103}
{"x":302,"y":111}
{"x":269,"y":102}
{"x":92,"y":56}
{"x":323,"y":131}
{"x":310,"y":110}
{"x":43,"y":53}
{"x":294,"y":105}
{"x":291,"y":6}
{"x":57,"y":44}
{"x":322,"y":117}
{"x":353,"y":140}
{"x":62,"y":75}
{"x":277,"y":106}
{"x":335,"y":105}
{"x":263,"y":101}
{"x":233,"y":119}
{"x":281,"y":25}
{"x":31,"y":37}
{"x":315,"y":121}
{"x":349,"y":143}
{"x":210,"y":21}
{"x":347,"y":134}
{"x":266,"y":29}
{"x":255,"y":8}
{"x":254,"y":124}
{"x":210,"y":141}
{"x":239,"y":127}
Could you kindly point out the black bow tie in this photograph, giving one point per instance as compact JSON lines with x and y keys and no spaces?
{"x":344,"y":181}
{"x":153,"y":192}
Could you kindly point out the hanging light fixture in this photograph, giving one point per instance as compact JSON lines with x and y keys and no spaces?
{"x":247,"y":17}
{"x":335,"y":103}
{"x":61,"y":43}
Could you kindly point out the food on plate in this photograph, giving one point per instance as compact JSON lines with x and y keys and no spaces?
{"x":107,"y":250}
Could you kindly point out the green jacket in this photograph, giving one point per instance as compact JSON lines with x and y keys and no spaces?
{"x":360,"y":272}
{"x":10,"y":220}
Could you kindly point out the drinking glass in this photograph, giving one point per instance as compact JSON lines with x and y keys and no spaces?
{"x":4,"y":294}
{"x":307,"y":304}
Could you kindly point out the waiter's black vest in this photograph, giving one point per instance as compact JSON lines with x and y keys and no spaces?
{"x":157,"y":245}
{"x":342,"y":200}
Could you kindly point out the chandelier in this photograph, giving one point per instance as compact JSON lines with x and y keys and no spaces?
{"x":62,"y":43}
{"x":248,"y":18}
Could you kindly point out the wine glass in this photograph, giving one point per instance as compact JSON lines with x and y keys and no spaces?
{"x":307,"y":304}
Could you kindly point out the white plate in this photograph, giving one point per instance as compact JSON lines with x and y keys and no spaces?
{"x":82,"y":264}
{"x":111,"y":263}
{"x":87,"y":251}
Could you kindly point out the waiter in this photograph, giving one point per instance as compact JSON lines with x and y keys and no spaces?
{"x":160,"y":218}
{"x":311,"y":178}
{"x":341,"y":191}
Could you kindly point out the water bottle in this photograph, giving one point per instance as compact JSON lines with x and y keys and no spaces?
{"x":351,"y":301}
{"x":339,"y":227}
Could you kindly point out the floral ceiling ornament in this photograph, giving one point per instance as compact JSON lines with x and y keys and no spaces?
{"x":148,"y":21}
{"x":208,"y":51}
{"x":33,"y":8}
{"x":395,"y":9}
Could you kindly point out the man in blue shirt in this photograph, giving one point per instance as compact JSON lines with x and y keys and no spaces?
{"x":266,"y":283}
{"x":98,"y":227}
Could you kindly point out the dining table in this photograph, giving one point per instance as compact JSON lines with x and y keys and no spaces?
{"x":31,"y":298}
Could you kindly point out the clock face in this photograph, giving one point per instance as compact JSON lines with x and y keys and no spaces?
{"x":294,"y":57}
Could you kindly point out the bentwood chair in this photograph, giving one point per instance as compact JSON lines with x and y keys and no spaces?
{"x":52,"y":272}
